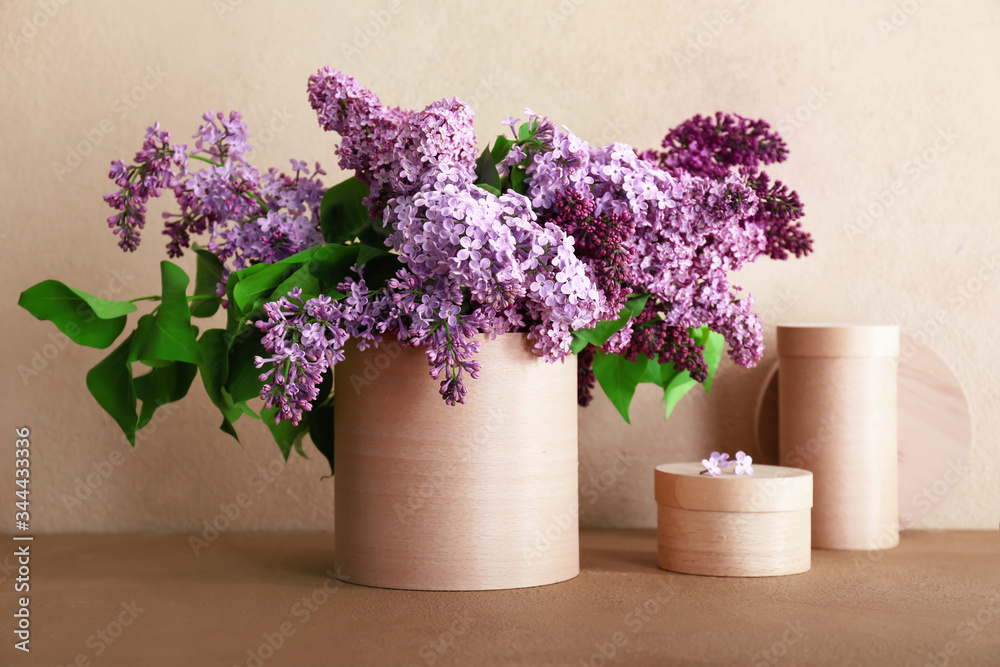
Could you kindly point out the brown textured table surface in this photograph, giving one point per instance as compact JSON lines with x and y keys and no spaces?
{"x":266,"y":599}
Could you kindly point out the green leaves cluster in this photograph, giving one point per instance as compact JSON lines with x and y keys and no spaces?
{"x":619,"y":378}
{"x":156,"y":363}
{"x":488,"y":176}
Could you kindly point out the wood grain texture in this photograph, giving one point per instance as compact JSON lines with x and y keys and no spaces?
{"x":469,"y":497}
{"x":837,"y":419}
{"x":733,"y":525}
{"x":838,"y":340}
{"x":733,"y":544}
{"x":935,"y":428}
{"x":769,"y":489}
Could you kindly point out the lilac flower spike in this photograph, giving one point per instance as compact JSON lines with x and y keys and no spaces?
{"x":743,"y":464}
{"x":711,"y":467}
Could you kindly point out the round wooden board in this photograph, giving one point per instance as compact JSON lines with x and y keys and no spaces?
{"x":935,"y":429}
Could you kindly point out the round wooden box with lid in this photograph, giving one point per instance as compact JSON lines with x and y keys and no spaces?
{"x":733,"y":525}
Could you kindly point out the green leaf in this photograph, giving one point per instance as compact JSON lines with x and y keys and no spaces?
{"x":381,"y":268}
{"x":84,"y":318}
{"x":489,"y":188}
{"x":525,"y":132}
{"x":303,"y":279}
{"x":368,"y":252}
{"x":486,"y":172}
{"x":260,"y":280}
{"x":600,"y":334}
{"x":214,"y":367}
{"x":207,"y":277}
{"x":110,"y":382}
{"x":501,"y":148}
{"x":321,"y":430}
{"x":517,"y":178}
{"x":714,"y":346}
{"x":161,"y":386}
{"x":284,"y":433}
{"x":681,"y":384}
{"x":260,"y":284}
{"x":343,"y":214}
{"x":170,"y":337}
{"x":227,"y":427}
{"x":333,"y":261}
{"x":242,"y":381}
{"x":619,"y":378}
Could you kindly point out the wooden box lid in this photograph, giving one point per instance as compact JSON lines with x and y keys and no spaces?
{"x":838,"y":340}
{"x":769,"y":489}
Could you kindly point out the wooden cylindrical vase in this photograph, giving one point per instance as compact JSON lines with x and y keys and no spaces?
{"x":476,"y":496}
{"x":837,"y":419}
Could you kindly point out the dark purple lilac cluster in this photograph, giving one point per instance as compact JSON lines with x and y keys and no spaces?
{"x":714,"y":146}
{"x":600,"y":241}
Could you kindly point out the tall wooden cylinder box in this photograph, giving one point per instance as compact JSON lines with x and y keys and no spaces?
{"x":837,"y":418}
{"x":467,"y":497}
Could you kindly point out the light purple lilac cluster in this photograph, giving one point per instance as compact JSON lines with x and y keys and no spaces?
{"x":305,"y":339}
{"x":250,"y":217}
{"x":473,"y":262}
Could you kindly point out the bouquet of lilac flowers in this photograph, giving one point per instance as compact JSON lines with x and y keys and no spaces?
{"x":620,"y":257}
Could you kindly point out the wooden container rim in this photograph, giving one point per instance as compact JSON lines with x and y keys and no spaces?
{"x":769,"y":489}
{"x":838,"y":340}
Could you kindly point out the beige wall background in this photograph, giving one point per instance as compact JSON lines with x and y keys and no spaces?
{"x":879,"y":101}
